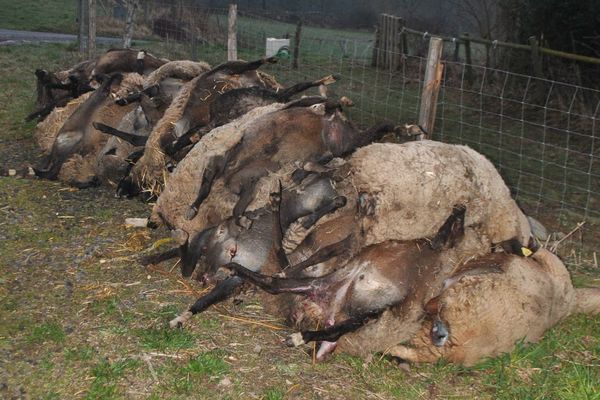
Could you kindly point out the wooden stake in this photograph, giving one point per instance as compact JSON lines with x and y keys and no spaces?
{"x":81,"y":6}
{"x":536,"y":57}
{"x":468,"y":59}
{"x":297,"y":44}
{"x":232,"y":34}
{"x":431,"y":86}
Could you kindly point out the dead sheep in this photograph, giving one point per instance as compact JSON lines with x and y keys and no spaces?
{"x":492,"y":303}
{"x":191,"y":108}
{"x":79,"y":140}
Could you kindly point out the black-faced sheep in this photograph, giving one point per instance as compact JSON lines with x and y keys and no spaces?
{"x":191,"y":108}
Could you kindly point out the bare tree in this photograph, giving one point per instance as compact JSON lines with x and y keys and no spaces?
{"x":132,"y":6}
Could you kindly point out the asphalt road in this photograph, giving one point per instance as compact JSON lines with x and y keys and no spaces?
{"x":10,"y":37}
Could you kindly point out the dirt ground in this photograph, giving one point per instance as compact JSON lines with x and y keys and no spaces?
{"x":80,"y":318}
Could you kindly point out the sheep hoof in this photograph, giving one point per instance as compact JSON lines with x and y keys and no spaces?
{"x":294,"y":340}
{"x":191,"y":213}
{"x":180,"y":320}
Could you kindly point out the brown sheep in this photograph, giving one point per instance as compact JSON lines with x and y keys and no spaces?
{"x":235,"y":159}
{"x":74,"y":150}
{"x":191,"y":108}
{"x":453,"y":174}
{"x":126,"y":60}
{"x":493,"y":302}
{"x":57,"y":89}
{"x":391,"y":273}
{"x":133,"y":130}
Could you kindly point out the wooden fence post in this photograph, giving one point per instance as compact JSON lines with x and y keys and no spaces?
{"x":402,"y":43}
{"x":81,"y":6}
{"x":376,"y":46}
{"x":456,"y":54}
{"x":468,"y":59}
{"x":232,"y":33}
{"x":297,"y":37}
{"x":382,"y":45}
{"x":91,"y":28}
{"x":431,"y":86}
{"x":536,"y":57}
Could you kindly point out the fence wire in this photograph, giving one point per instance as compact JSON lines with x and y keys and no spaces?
{"x":542,"y":135}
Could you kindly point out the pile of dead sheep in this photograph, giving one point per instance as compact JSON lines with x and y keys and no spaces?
{"x":413,"y":249}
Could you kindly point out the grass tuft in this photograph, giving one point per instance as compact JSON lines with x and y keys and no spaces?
{"x":106,"y":376}
{"x":49,"y":331}
{"x":210,"y":363}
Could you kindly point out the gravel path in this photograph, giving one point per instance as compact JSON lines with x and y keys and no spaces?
{"x":11,"y":37}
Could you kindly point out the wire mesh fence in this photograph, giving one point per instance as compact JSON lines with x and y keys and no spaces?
{"x":541,"y":134}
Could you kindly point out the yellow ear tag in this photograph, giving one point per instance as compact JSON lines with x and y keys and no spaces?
{"x":526,"y":252}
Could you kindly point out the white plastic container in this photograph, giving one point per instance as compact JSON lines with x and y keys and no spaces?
{"x":273,"y":45}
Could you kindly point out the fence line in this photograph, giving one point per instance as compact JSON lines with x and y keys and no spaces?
{"x":541,"y":134}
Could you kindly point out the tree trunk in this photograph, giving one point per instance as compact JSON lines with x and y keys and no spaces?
{"x":132,"y":6}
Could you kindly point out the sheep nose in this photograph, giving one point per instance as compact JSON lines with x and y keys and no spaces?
{"x":439,"y":333}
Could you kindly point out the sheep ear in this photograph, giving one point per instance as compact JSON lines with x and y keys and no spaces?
{"x":41,"y":73}
{"x":513,"y":246}
{"x":432,"y":307}
{"x":451,"y":230}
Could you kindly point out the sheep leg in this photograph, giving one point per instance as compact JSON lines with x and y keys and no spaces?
{"x":286,"y":94}
{"x":322,"y":255}
{"x":222,"y":291}
{"x":311,"y":219}
{"x":159,"y":257}
{"x":126,"y":186}
{"x":48,"y":109}
{"x":131,"y":138}
{"x":273,"y":284}
{"x":239,"y":68}
{"x":210,"y":174}
{"x":334,"y":332}
{"x":451,"y":230}
{"x":246,"y":195}
{"x":186,"y":139}
{"x":192,"y":250}
{"x":305,"y":102}
{"x":51,"y":170}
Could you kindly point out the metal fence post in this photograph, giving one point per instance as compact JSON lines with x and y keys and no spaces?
{"x":431,"y":86}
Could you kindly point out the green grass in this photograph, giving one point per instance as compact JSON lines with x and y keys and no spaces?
{"x":106,"y":374}
{"x":86,"y":344}
{"x":207,"y":364}
{"x":165,"y":338}
{"x":50,"y":331}
{"x":38,"y":15}
{"x":274,"y":394}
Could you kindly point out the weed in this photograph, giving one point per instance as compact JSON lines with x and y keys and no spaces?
{"x":274,"y":394}
{"x":106,"y":376}
{"x":209,"y":363}
{"x":82,"y":353}
{"x":47,"y":331}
